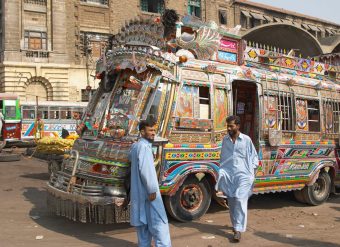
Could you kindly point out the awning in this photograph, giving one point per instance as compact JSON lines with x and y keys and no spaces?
{"x":246,"y":13}
{"x":329,"y":31}
{"x":287,"y":22}
{"x":277,"y":19}
{"x":270,"y":19}
{"x":334,"y":31}
{"x":306,"y":26}
{"x":314,"y":28}
{"x":322,"y":29}
{"x":258,"y":16}
{"x":297,"y":24}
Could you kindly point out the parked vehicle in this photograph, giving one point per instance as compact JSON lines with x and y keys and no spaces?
{"x":288,"y":106}
{"x":48,"y":118}
{"x":11,"y":117}
{"x":10,"y":125}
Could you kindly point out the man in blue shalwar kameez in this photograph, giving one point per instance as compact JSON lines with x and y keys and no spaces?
{"x":238,"y":164}
{"x":147,"y":209}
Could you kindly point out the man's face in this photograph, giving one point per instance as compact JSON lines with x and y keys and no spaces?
{"x":148,"y":133}
{"x":233,"y":128}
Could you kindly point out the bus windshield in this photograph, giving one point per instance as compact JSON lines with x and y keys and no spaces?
{"x":10,"y":109}
{"x":116,"y":114}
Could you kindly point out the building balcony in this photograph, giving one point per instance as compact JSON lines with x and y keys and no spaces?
{"x":38,"y":2}
{"x":35,"y":5}
{"x":36,"y":53}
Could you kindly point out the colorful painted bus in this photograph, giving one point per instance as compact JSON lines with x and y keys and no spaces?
{"x":289,"y":106}
{"x":53,"y":116}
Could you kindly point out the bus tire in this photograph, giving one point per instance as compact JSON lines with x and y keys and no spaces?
{"x":298,"y":194}
{"x":191,"y":200}
{"x":318,"y":192}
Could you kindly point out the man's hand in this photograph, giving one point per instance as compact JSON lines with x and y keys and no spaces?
{"x":152,"y":197}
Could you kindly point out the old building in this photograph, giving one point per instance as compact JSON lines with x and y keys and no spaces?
{"x":48,"y":47}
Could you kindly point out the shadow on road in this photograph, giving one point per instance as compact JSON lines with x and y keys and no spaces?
{"x":41,"y":176}
{"x":91,"y":233}
{"x":293,"y":241}
{"x":274,"y":201}
{"x":338,"y":209}
{"x":223,"y":231}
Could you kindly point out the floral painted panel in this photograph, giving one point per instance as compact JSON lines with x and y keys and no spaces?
{"x":329,"y":118}
{"x":194,"y":123}
{"x":301,"y":115}
{"x":186,"y":101}
{"x":270,"y":112}
{"x":220,"y":108}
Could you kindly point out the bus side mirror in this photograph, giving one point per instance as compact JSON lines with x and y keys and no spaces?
{"x":275,"y":137}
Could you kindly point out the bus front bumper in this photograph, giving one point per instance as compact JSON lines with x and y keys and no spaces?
{"x":84,"y":203}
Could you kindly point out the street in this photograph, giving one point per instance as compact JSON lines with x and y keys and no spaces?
{"x":274,"y":219}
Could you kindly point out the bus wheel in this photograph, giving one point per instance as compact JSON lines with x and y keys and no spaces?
{"x":318,"y":192}
{"x":298,"y":194}
{"x":191,"y":200}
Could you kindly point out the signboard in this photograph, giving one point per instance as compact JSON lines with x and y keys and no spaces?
{"x":228,"y":50}
{"x":228,"y":45}
{"x":227,"y":57}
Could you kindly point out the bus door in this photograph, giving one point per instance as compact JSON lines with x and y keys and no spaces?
{"x":11,"y":128}
{"x":245,"y":105}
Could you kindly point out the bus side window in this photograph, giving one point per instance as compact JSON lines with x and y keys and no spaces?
{"x":313,"y":115}
{"x":43,"y":112}
{"x":63,"y":113}
{"x":308,"y":115}
{"x":54,"y":113}
{"x":193,"y":108}
{"x":28,"y":112}
{"x":331,"y":110}
{"x":204,"y":96}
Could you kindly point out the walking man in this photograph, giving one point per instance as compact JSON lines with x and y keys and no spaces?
{"x":239,"y":162}
{"x":147,"y":210}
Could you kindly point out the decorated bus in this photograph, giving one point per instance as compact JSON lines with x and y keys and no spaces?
{"x":48,"y":118}
{"x":189,"y":76}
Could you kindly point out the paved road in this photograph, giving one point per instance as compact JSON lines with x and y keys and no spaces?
{"x":274,"y":219}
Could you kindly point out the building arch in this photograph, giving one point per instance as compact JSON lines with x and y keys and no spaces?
{"x":336,"y":48}
{"x":38,"y":86}
{"x":285,"y":36}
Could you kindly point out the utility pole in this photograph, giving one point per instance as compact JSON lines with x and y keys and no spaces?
{"x":87,"y":50}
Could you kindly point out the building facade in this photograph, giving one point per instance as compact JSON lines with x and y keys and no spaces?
{"x":48,"y":48}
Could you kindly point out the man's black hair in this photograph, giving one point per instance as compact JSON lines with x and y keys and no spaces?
{"x":234,"y":118}
{"x":149,"y":122}
{"x":64,"y":133}
{"x":169,"y":19}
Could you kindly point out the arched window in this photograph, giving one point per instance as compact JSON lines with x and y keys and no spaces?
{"x":222,"y":16}
{"x":36,"y":89}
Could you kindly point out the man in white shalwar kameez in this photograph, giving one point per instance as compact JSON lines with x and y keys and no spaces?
{"x":238,"y":164}
{"x":147,"y":212}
